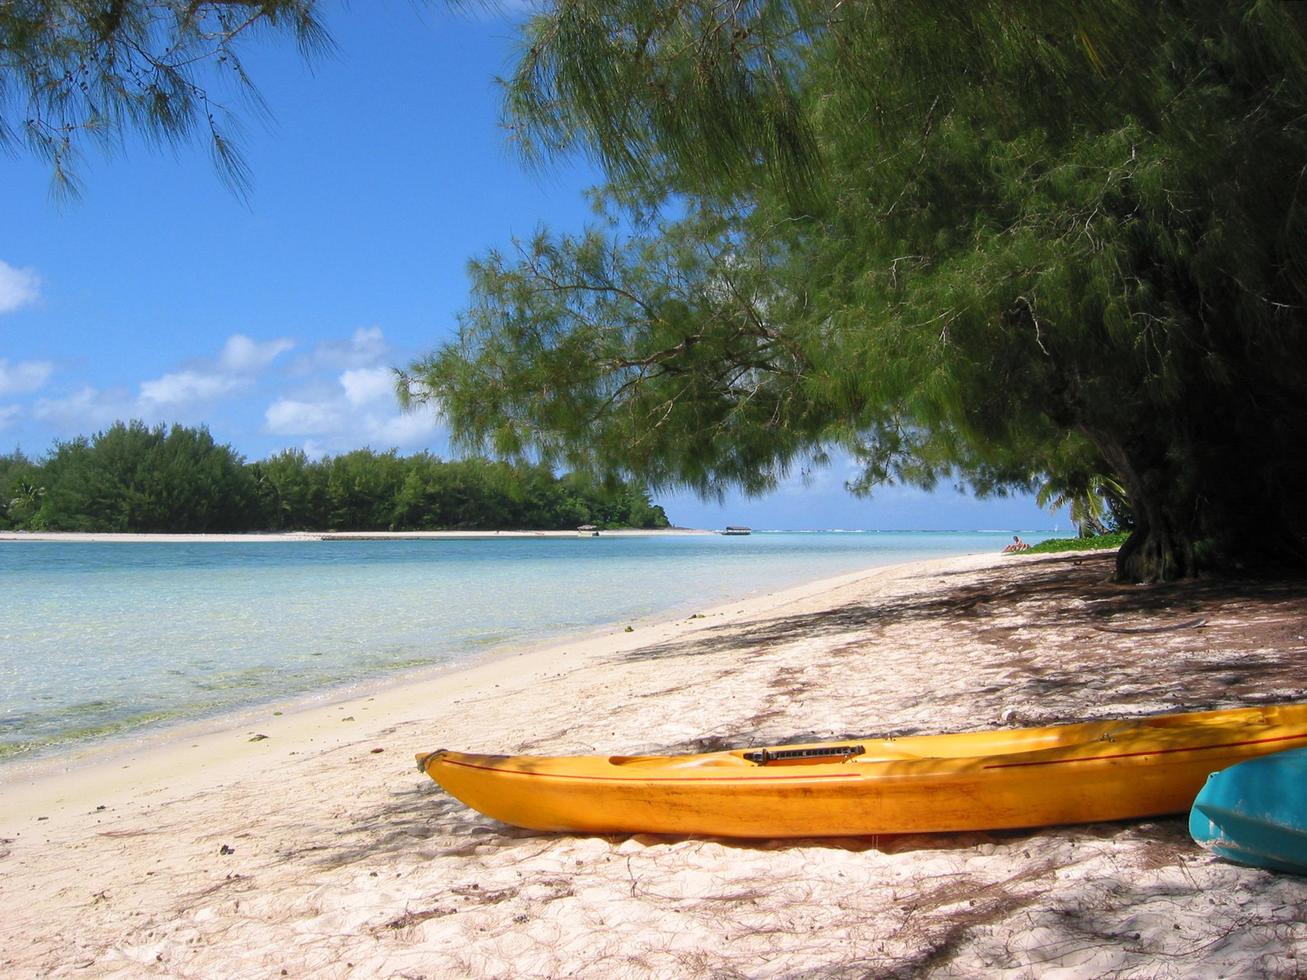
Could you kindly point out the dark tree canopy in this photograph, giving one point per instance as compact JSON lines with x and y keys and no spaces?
{"x":1008,"y":244}
{"x":132,"y":477}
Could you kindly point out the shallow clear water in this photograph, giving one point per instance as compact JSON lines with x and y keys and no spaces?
{"x":101,"y":639}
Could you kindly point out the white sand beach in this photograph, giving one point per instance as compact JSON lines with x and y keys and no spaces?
{"x":319,"y":850}
{"x":102,"y":537}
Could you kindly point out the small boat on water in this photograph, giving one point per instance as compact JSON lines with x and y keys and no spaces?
{"x":737,"y":529}
{"x":1101,"y":770}
{"x":1256,"y":812}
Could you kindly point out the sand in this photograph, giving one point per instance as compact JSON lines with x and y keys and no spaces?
{"x":103,"y":537}
{"x":319,"y":850}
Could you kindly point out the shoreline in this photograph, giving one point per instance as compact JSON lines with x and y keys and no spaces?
{"x":320,"y":850}
{"x":269,"y":537}
{"x":108,"y":745}
{"x":34,"y":784}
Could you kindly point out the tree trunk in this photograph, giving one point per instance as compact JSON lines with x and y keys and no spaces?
{"x":1155,"y":552}
{"x":1161,"y":547}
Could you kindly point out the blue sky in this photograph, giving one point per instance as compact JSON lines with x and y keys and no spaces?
{"x":160,"y":295}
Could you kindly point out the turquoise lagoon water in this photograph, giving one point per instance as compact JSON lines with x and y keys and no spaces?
{"x":117,"y":638}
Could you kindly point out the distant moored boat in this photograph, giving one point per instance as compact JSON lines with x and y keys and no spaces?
{"x":737,"y":529}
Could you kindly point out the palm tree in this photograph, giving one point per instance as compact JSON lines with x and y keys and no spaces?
{"x":26,"y":501}
{"x":1092,"y":499}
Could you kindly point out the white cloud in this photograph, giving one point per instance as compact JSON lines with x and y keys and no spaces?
{"x":240,"y":359}
{"x":182,"y":387}
{"x":18,"y":287}
{"x":343,"y":396}
{"x":245,"y":356}
{"x":368,"y":342}
{"x":8,"y":413}
{"x":365,"y":385}
{"x":364,"y":349}
{"x":358,"y":409}
{"x":339,"y":421}
{"x":407,"y":430}
{"x":288,"y":416}
{"x":23,"y":376}
{"x":313,"y":449}
{"x":86,"y":408}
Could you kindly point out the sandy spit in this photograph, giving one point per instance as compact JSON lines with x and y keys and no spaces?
{"x":100,"y":537}
{"x":318,"y":850}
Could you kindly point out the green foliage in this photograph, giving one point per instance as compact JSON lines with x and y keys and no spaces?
{"x":685,"y":89}
{"x":77,"y":69}
{"x":291,"y":491}
{"x":131,"y":478}
{"x":655,"y":359}
{"x":1099,"y":542}
{"x":21,"y":490}
{"x":1011,"y":245}
{"x":1098,"y":503}
{"x":134,"y":478}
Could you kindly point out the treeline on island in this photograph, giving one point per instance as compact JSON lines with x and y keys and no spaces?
{"x":134,"y":478}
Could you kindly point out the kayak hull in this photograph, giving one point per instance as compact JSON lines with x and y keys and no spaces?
{"x":1256,"y":812}
{"x":1081,"y":773}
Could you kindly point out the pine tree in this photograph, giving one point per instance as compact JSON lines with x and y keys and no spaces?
{"x":995,"y":243}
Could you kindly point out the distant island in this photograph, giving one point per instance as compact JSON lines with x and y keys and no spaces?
{"x":133,"y":478}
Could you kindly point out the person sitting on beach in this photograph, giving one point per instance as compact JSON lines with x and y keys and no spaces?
{"x":1016,"y":545}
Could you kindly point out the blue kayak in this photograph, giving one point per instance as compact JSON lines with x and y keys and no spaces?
{"x":1256,"y":812}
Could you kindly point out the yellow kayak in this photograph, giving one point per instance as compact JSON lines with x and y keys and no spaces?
{"x":1101,"y":770}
